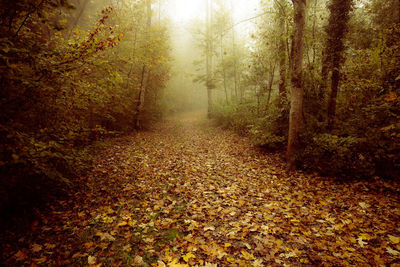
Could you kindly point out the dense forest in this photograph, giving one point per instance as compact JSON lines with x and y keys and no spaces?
{"x":202,"y":133}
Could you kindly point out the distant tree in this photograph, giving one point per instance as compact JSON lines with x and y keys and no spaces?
{"x":209,"y":46}
{"x":145,"y":75}
{"x":281,"y":16}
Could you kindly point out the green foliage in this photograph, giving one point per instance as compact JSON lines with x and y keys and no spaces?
{"x":332,"y":154}
{"x":267,"y":131}
{"x":270,"y":131}
{"x":239,"y":117}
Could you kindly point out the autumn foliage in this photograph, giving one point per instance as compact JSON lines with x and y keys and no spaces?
{"x":65,"y":87}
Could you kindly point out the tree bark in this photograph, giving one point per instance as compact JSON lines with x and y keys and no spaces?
{"x":334,"y":91}
{"x":336,"y":31}
{"x":223,"y":69}
{"x":144,"y":81}
{"x":282,"y":56}
{"x":296,"y":98}
{"x":270,"y":83}
{"x":235,"y":80}
{"x":78,"y":17}
{"x":398,"y":11}
{"x":208,"y":58}
{"x":324,"y":76}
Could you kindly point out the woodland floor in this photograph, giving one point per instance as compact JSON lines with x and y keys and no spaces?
{"x":188,"y":193}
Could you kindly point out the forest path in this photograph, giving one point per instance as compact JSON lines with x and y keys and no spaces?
{"x":187,"y":193}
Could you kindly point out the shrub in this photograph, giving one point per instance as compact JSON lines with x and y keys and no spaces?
{"x":332,"y":154}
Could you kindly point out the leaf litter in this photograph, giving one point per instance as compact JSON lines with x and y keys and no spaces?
{"x":190,"y":194}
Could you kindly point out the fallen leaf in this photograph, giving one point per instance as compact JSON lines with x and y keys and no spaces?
{"x":49,"y":246}
{"x":103,"y":245}
{"x":361,"y":242}
{"x":92,"y":260}
{"x":258,"y":263}
{"x":188,"y":256}
{"x":227,"y":245}
{"x":247,"y":255}
{"x":394,"y":239}
{"x":127,"y":248}
{"x":40,"y":260}
{"x":212,"y":228}
{"x":105,"y":236}
{"x":36,"y":247}
{"x":392,"y":251}
{"x":20,"y":256}
{"x":88,"y":245}
{"x":139,"y":261}
{"x":229,"y":259}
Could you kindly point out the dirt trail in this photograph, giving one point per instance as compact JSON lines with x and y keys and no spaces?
{"x":187,"y":193}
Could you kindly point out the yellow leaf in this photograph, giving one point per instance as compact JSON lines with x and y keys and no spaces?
{"x":247,"y":255}
{"x":49,"y":246}
{"x":392,"y":251}
{"x":231,"y":260}
{"x":188,"y":256}
{"x":193,"y":225}
{"x":361,"y":242}
{"x":107,"y":219}
{"x":92,"y":260}
{"x":304,"y":261}
{"x":81,"y":214}
{"x":122,"y":224}
{"x":40,"y":260}
{"x":365,"y":236}
{"x":175,"y":263}
{"x":227,"y":245}
{"x":394,"y":239}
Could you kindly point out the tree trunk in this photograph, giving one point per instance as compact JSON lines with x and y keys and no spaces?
{"x":270,"y":83}
{"x":334,"y":90}
{"x":324,"y":76}
{"x":398,"y":11}
{"x":335,"y":31}
{"x":143,"y":81}
{"x":223,"y":69}
{"x":296,"y":98}
{"x":208,"y":60}
{"x":282,"y":59}
{"x":81,"y":11}
{"x":234,"y":53}
{"x":140,"y":101}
